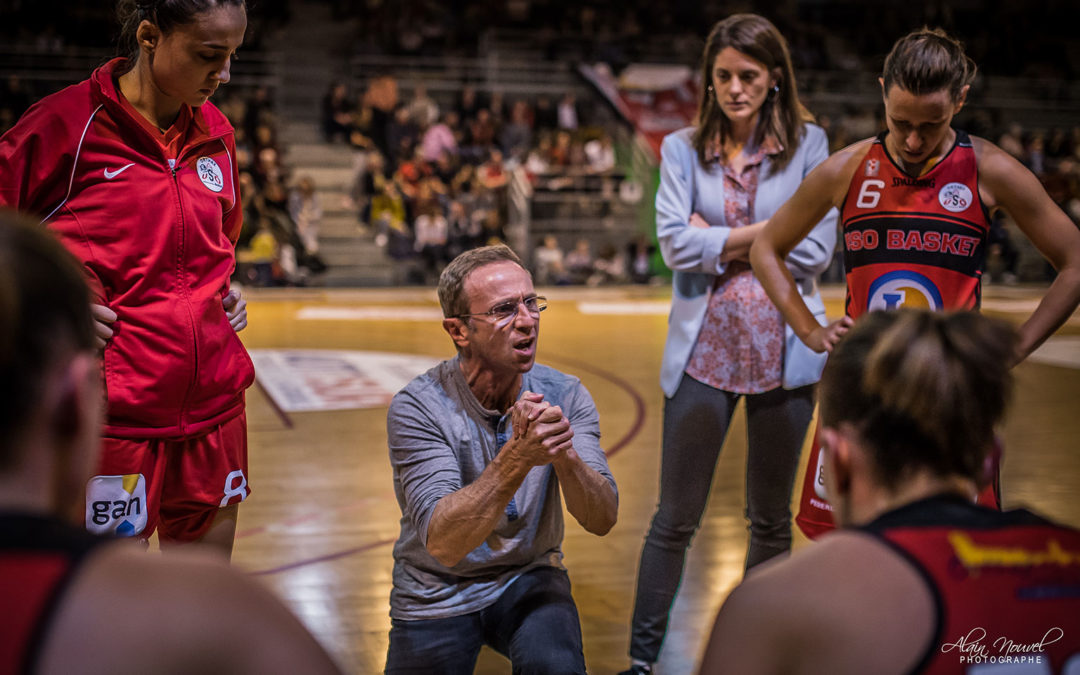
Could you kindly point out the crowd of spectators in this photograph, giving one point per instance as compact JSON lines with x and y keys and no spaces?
{"x":431,"y":179}
{"x":279,"y":242}
{"x":1009,"y":39}
{"x":431,"y":175}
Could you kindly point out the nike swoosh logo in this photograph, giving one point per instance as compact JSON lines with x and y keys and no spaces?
{"x":113,"y":174}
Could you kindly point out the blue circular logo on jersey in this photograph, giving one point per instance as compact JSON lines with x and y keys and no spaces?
{"x":903,"y":288}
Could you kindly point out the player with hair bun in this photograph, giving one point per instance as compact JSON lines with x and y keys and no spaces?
{"x":135,"y":171}
{"x":919,"y":579}
{"x":915,"y":204}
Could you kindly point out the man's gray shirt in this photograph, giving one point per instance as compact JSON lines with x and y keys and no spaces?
{"x":441,"y":439}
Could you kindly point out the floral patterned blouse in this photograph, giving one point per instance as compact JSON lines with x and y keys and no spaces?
{"x":741,"y":344}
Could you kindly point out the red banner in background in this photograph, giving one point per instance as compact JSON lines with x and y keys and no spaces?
{"x":656,"y":99}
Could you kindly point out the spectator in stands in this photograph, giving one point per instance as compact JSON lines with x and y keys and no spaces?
{"x":579,"y":262}
{"x":562,"y":151}
{"x":609,"y":267}
{"x":515,"y":139}
{"x":497,"y":106}
{"x":567,"y":113}
{"x":481,"y":134}
{"x":469,"y":103}
{"x":547,"y":117}
{"x":600,"y":155}
{"x":1012,"y":141}
{"x":548,"y":262}
{"x":432,"y":232}
{"x":538,"y":160}
{"x":369,"y":175}
{"x":640,"y":253}
{"x":463,"y":232}
{"x":423,"y":110}
{"x":493,"y":173}
{"x":439,"y":139}
{"x":258,"y":111}
{"x":388,"y":221}
{"x":1002,"y":248}
{"x":336,"y":113}
{"x":446,"y":167}
{"x":306,"y":213}
{"x":263,"y":254}
{"x":493,"y":233}
{"x":402,"y":136}
{"x":382,"y":97}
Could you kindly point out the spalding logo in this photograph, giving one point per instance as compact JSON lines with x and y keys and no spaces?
{"x":955,"y":197}
{"x":903,"y":288}
{"x":210,"y":174}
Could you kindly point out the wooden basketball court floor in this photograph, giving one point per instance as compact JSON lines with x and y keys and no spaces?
{"x":320,"y":524}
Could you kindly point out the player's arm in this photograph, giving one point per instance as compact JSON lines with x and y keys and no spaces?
{"x":821,"y":190}
{"x":1005,"y":182}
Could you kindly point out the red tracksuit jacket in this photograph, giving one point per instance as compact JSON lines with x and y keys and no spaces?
{"x":156,"y":241}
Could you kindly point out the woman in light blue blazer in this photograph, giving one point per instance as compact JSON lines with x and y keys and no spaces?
{"x":720,"y":181}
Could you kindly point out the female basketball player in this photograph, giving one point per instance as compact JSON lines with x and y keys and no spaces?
{"x":915,"y":204}
{"x":915,"y":207}
{"x":136,"y":172}
{"x":920,"y":580}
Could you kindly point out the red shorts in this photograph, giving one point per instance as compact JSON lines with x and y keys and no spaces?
{"x":175,"y":486}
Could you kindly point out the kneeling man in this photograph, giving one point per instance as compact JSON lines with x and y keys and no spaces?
{"x":485,"y":446}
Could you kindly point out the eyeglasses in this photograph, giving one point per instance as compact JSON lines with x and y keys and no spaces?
{"x":506,"y":311}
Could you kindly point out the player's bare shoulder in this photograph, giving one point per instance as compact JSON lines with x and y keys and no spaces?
{"x":835,"y":173}
{"x":1000,"y":174}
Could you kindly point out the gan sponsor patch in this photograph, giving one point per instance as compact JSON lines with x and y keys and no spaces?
{"x":116,"y":505}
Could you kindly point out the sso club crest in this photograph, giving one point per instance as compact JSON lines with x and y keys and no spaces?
{"x":903,"y":288}
{"x":210,"y":174}
{"x":955,"y":197}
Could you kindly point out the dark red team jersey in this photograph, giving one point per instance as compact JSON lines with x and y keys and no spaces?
{"x":38,"y":556}
{"x":1006,"y":586}
{"x":914,"y":242}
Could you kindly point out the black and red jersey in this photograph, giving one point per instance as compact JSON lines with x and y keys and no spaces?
{"x":914,"y":241}
{"x":1006,"y":584}
{"x":38,"y":558}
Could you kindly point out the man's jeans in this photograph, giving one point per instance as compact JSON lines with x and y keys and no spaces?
{"x":534,"y":623}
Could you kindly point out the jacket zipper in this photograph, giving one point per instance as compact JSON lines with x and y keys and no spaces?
{"x":182,"y":283}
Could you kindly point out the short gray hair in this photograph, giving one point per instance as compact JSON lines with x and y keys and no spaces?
{"x":452,"y":280}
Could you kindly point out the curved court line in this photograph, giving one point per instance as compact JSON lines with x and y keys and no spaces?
{"x":324,"y":558}
{"x":639,"y":401}
{"x":635,"y":429}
